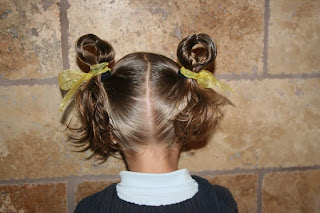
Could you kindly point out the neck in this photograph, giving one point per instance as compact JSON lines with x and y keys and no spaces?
{"x":154,"y":160}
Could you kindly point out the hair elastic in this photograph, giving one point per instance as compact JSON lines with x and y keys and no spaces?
{"x":72,"y":79}
{"x":105,"y":76}
{"x":181,"y":75}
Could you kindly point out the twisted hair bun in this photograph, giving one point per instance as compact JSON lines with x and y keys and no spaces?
{"x":93,"y":50}
{"x":196,"y":52}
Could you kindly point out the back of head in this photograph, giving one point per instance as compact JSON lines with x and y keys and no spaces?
{"x":145,"y":101}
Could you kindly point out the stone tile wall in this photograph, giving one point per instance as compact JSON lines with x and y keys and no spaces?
{"x":266,"y":149}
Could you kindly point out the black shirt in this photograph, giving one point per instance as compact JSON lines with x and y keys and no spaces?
{"x":209,"y":198}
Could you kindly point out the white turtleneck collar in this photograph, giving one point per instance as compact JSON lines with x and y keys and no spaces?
{"x":156,"y":189}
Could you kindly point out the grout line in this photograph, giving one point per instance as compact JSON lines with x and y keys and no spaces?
{"x":259,"y":191}
{"x":71,"y":184}
{"x":237,"y":77}
{"x":34,"y":181}
{"x":60,"y":179}
{"x":252,"y":77}
{"x":266,"y":37}
{"x":297,"y":75}
{"x":116,"y":177}
{"x":223,"y":172}
{"x":29,"y":82}
{"x":246,"y":171}
{"x":64,"y":23}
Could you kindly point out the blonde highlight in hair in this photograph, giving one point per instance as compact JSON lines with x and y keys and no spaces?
{"x":145,"y":101}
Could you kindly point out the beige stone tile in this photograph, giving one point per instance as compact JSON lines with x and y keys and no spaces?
{"x":273,"y":123}
{"x":294,"y":42}
{"x":30,"y":39}
{"x":33,"y":198}
{"x":294,"y":192}
{"x":87,"y":188}
{"x":33,"y":141}
{"x":243,"y":188}
{"x":158,"y":26}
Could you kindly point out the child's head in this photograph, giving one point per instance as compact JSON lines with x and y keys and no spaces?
{"x":145,"y":101}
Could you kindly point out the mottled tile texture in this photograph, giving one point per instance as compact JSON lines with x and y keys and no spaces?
{"x":243,"y":188}
{"x":32,"y":139}
{"x":294,"y":192}
{"x":158,"y":26}
{"x":31,"y":198}
{"x":30,"y":39}
{"x":272,"y":123}
{"x":294,"y":34}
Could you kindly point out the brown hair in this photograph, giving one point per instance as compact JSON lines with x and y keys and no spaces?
{"x":145,"y":100}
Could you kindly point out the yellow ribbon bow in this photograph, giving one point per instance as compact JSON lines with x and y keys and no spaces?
{"x":72,"y":79}
{"x":206,"y":80}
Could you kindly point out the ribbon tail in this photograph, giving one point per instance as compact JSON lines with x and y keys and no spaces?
{"x":225,"y":87}
{"x":70,"y":93}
